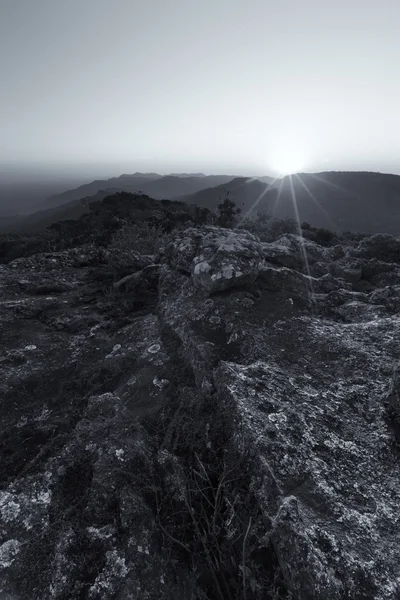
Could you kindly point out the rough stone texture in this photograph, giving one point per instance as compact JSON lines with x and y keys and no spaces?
{"x":217,"y":258}
{"x":351,"y":272}
{"x":107,"y":393}
{"x":74,"y":523}
{"x":281,"y":254}
{"x":301,"y":246}
{"x":309,"y":393}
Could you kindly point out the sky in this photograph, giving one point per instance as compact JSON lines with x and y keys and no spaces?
{"x":236,"y":86}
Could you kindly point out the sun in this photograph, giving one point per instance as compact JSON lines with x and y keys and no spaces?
{"x":288,"y":160}
{"x":287,"y":156}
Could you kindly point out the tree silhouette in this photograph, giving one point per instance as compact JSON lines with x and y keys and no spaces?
{"x":227,"y":212}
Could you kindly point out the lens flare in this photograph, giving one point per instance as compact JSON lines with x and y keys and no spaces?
{"x":288,"y":160}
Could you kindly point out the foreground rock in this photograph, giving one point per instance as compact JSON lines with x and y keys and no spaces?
{"x":217,"y":258}
{"x":221,"y":424}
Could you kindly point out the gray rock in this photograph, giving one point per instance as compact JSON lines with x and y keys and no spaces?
{"x":148,"y":423}
{"x":348,"y":272}
{"x":217,"y":258}
{"x":304,"y":248}
{"x":389,"y":296}
{"x":281,"y":254}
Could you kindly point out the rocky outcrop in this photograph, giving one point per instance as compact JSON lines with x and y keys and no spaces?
{"x":220,"y":424}
{"x":216,"y":258}
{"x":292,"y":251}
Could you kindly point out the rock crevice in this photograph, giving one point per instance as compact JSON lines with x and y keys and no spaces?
{"x":221,"y":424}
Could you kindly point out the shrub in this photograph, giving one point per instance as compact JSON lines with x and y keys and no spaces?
{"x":279,"y":227}
{"x":381,"y":246}
{"x":203,"y":216}
{"x":351,"y":236}
{"x":269,"y":229}
{"x":133,"y":241}
{"x":324,"y":237}
{"x":227,"y":212}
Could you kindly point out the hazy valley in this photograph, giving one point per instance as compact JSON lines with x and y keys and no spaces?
{"x":354,"y":201}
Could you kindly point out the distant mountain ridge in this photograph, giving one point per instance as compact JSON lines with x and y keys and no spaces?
{"x":338,"y":200}
{"x":18,"y":197}
{"x":126,"y":183}
{"x":244,"y":191}
{"x":152,"y":184}
{"x":242,"y":188}
{"x":343,"y":200}
{"x":39,"y":220}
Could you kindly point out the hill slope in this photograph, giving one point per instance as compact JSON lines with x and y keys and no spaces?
{"x":355,"y":201}
{"x":125,"y":183}
{"x":249,"y":194}
{"x":27,"y":195}
{"x":152,"y":184}
{"x":173,"y":185}
{"x":38,"y":221}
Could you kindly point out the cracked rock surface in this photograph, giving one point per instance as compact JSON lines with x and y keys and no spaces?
{"x":121,"y":406}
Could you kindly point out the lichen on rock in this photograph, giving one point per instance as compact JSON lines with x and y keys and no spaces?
{"x":223,"y":423}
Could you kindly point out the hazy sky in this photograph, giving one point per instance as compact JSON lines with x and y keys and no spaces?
{"x":241,"y":86}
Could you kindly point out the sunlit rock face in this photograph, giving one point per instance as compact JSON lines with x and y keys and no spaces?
{"x":217,"y":258}
{"x":292,"y":250}
{"x":224,"y":375}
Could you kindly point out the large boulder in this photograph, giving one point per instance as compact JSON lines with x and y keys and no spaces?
{"x":217,"y":258}
{"x":274,"y":278}
{"x":281,"y":254}
{"x":305,"y":249}
{"x":299,"y":253}
{"x":350,"y":272}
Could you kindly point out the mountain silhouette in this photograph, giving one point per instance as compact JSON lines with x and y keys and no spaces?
{"x":249,"y":194}
{"x":355,"y":201}
{"x":39,"y":220}
{"x":125,"y":183}
{"x":152,"y":184}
